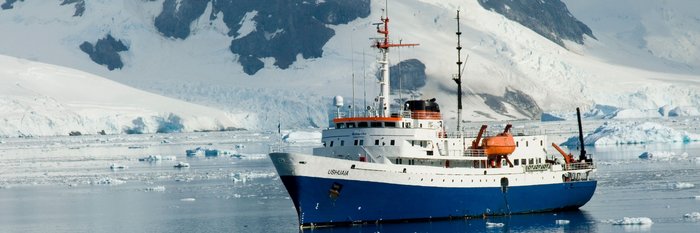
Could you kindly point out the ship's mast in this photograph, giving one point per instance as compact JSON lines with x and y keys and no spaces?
{"x":458,"y":79}
{"x":383,"y":45}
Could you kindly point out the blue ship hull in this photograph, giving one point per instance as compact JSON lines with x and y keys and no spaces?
{"x":323,"y":201}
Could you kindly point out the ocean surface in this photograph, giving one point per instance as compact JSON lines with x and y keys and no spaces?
{"x":65,"y":184}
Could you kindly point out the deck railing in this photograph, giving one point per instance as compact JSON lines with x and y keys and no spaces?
{"x":578,"y":166}
{"x":475,"y":153}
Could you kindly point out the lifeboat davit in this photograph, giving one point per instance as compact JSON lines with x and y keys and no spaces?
{"x":501,"y":144}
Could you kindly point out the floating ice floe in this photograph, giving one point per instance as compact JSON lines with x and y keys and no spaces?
{"x":562,"y":222}
{"x":151,"y":158}
{"x":494,"y":224}
{"x":116,"y":166}
{"x":631,"y":132}
{"x":199,"y":151}
{"x":187,"y":199}
{"x":682,"y":185}
{"x":693,"y":216}
{"x":155,"y":189}
{"x":181,"y":165}
{"x":631,"y":221}
{"x":107,"y":181}
{"x":243,"y":177}
{"x":663,"y":155}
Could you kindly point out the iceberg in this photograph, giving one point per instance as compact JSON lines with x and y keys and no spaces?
{"x":632,"y":132}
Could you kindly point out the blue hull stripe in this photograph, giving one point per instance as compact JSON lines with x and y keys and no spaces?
{"x":362,"y":201}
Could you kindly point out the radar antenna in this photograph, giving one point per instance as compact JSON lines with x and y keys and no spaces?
{"x":383,"y":44}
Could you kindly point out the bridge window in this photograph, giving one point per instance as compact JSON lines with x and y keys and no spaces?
{"x":391,"y":142}
{"x":362,"y":142}
{"x":375,"y":124}
{"x":390,"y":124}
{"x":342,"y":142}
{"x":362,"y":124}
{"x":355,"y":142}
{"x":430,"y":152}
{"x":351,"y":125}
{"x":331,"y":144}
{"x":376,"y":142}
{"x":523,"y":161}
{"x":532,"y":161}
{"x":516,"y":162}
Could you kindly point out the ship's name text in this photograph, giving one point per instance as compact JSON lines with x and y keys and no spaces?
{"x":338,"y":172}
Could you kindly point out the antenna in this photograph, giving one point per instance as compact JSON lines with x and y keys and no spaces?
{"x":364,"y":81}
{"x":352,"y":57}
{"x":400,"y":79}
{"x":458,"y":79}
{"x":383,"y":44}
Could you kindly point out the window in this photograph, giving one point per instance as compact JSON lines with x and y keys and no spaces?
{"x":324,"y":144}
{"x":331,"y":144}
{"x":523,"y":161}
{"x":413,"y":142}
{"x":408,"y":125}
{"x":517,"y":144}
{"x":351,"y":125}
{"x":541,"y":143}
{"x":340,"y":125}
{"x":516,"y":162}
{"x":391,"y":142}
{"x":362,"y":125}
{"x":532,"y":161}
{"x":362,"y":142}
{"x":390,"y":124}
{"x":342,"y":142}
{"x":376,"y":142}
{"x":375,"y":124}
{"x":430,"y":152}
{"x":526,"y":144}
{"x":355,"y":142}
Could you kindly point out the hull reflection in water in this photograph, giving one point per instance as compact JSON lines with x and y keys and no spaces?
{"x":564,"y":221}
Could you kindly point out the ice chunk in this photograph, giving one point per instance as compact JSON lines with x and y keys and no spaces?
{"x":243,"y":177}
{"x":494,"y":224}
{"x":631,"y":221}
{"x":663,"y":155}
{"x":182,"y":165}
{"x":107,"y":181}
{"x":693,"y":216}
{"x":682,"y":185}
{"x":562,"y":222}
{"x":188,"y":199}
{"x":155,"y":189}
{"x":116,"y":166}
{"x":151,"y":158}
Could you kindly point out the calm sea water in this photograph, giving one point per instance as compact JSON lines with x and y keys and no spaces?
{"x":73,"y":190}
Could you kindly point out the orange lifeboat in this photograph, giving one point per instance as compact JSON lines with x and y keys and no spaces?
{"x":501,"y":144}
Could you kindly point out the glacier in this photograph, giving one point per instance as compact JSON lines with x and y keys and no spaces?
{"x":38,"y":99}
{"x":635,"y":64}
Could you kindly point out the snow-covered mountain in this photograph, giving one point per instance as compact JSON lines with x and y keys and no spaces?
{"x":271,"y":61}
{"x":43,"y":99}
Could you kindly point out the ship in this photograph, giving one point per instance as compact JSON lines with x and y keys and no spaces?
{"x":403,"y":165}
